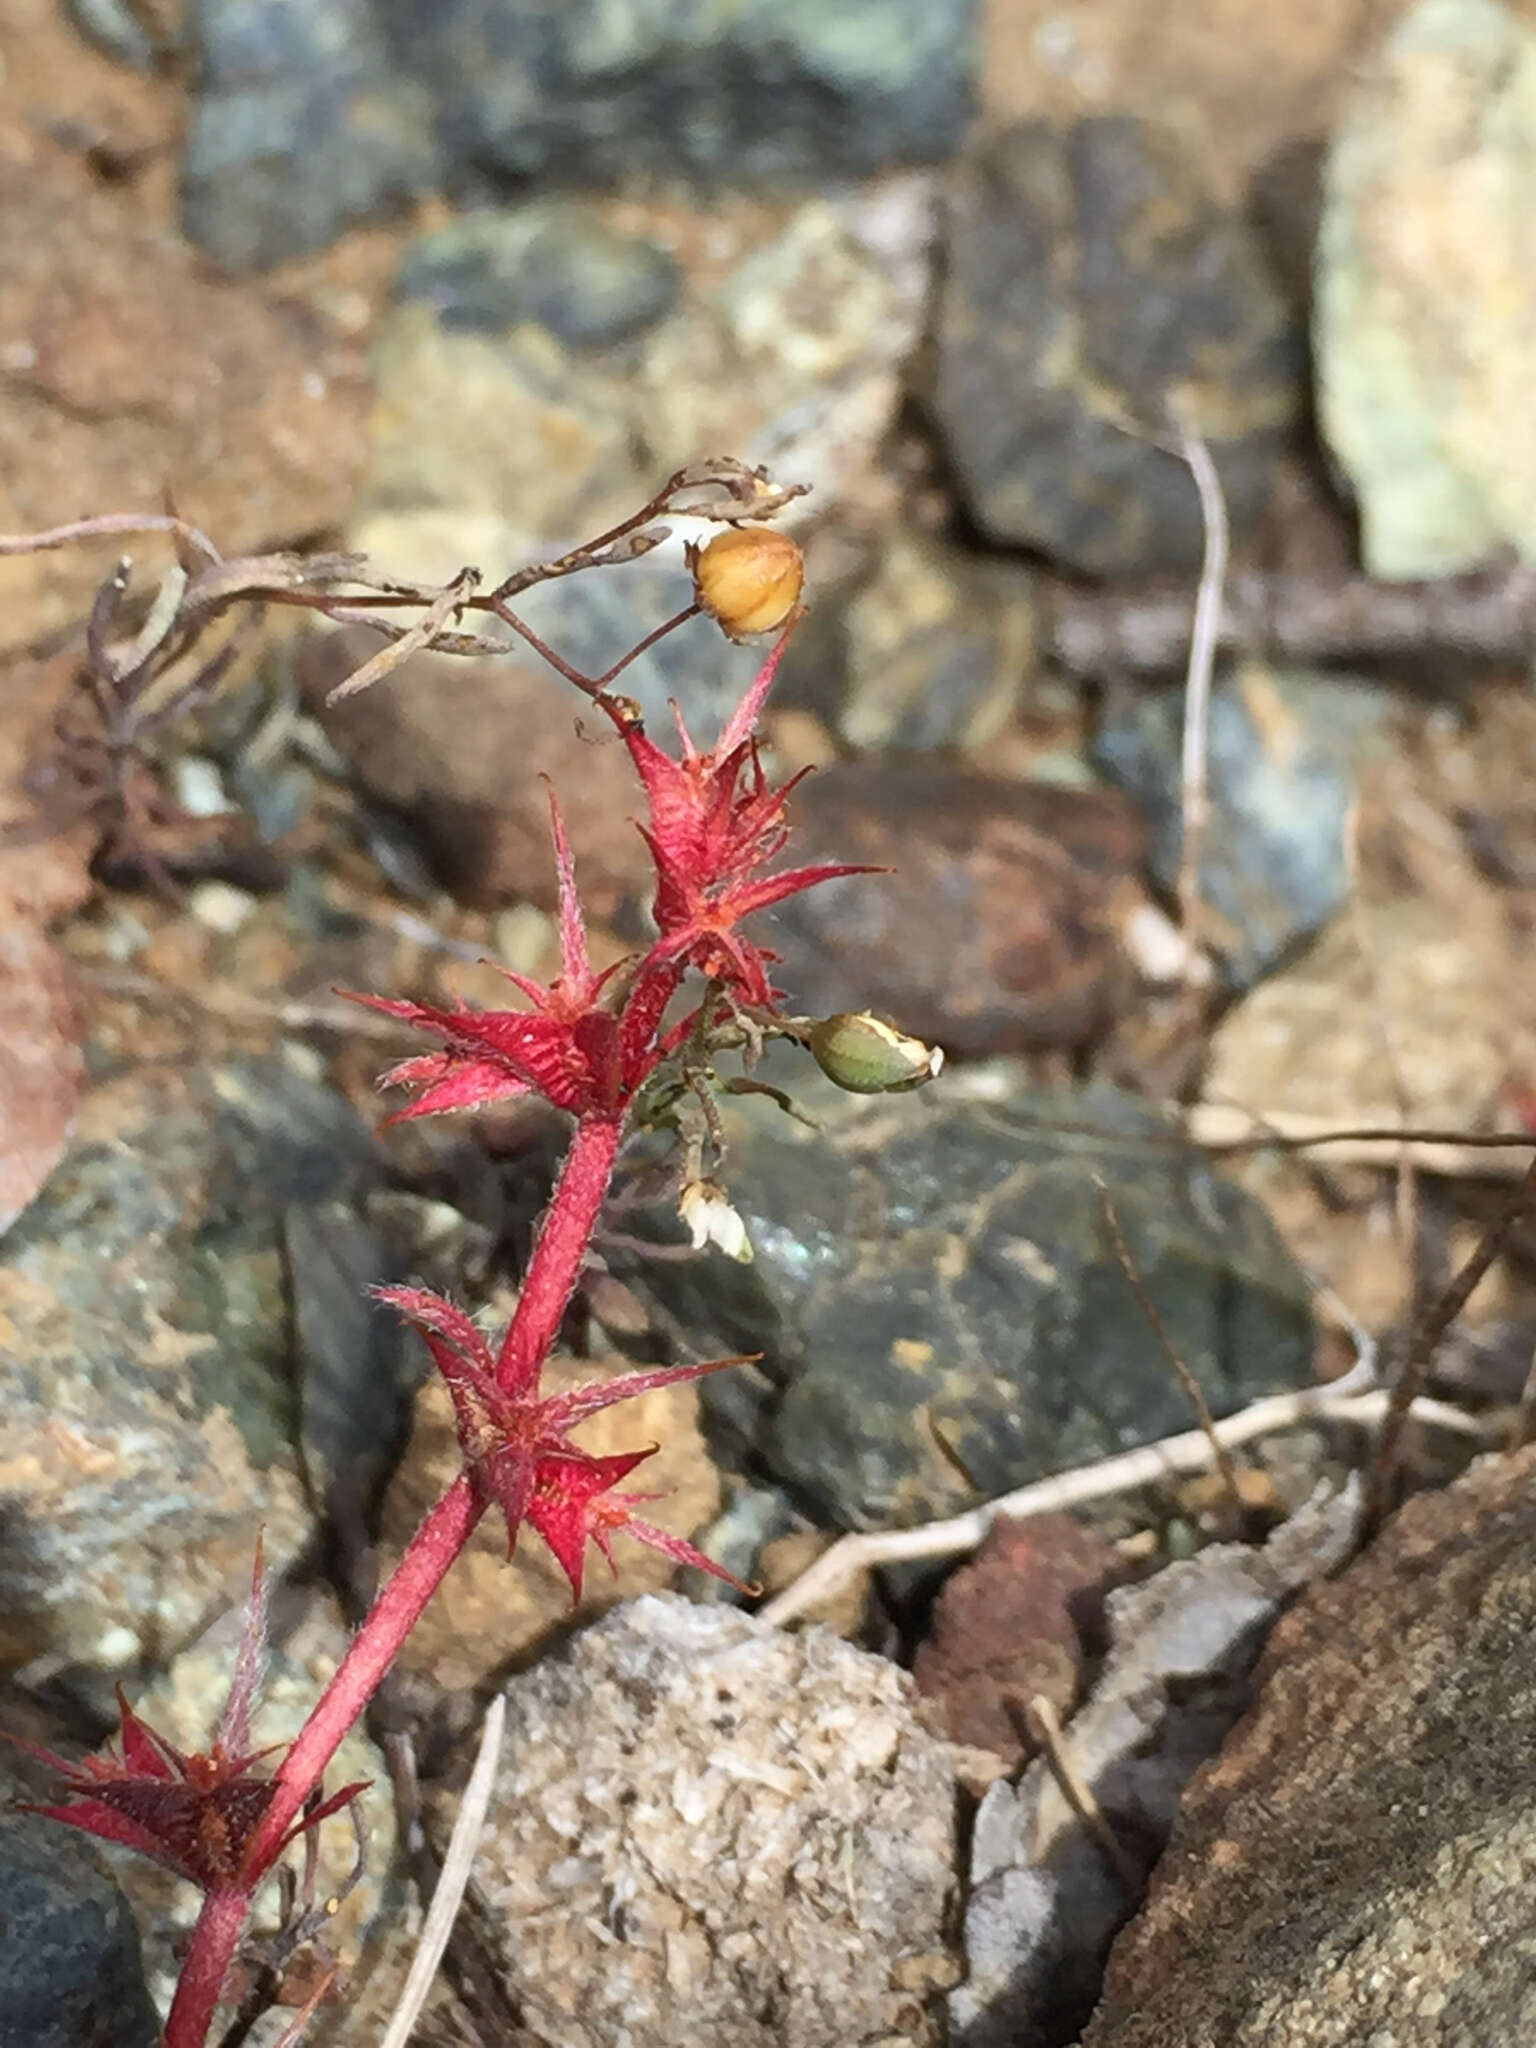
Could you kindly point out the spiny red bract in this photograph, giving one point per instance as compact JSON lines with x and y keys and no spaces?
{"x":571,"y":1048}
{"x":196,"y":1813}
{"x":517,"y":1446}
{"x":591,"y":1041}
{"x":714,"y":822}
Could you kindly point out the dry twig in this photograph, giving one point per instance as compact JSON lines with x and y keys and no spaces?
{"x":458,"y":1863}
{"x":1044,"y":1727}
{"x":1194,"y":781}
{"x":1193,"y":1391}
{"x":1383,"y":1024}
{"x":1343,"y":1402}
{"x":1402,"y":1398}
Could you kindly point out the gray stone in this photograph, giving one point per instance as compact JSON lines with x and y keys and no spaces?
{"x":314,"y":113}
{"x":788,"y":352}
{"x":1425,"y":320}
{"x":70,"y":1971}
{"x":120,"y":31}
{"x":930,"y":649}
{"x":1355,"y":1867}
{"x":300,"y":127}
{"x":1284,"y":748}
{"x":704,"y":1829}
{"x":1091,"y":281}
{"x":1042,"y":1904}
{"x":933,"y":1295}
{"x":778,"y":91}
{"x":557,"y":263}
{"x":146,"y":1373}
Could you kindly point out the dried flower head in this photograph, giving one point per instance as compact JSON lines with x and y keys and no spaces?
{"x":748,"y":579}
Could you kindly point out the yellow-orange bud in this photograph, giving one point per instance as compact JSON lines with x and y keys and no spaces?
{"x":748,"y":579}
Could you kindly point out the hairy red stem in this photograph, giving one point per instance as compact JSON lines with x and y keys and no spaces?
{"x":394,"y":1614}
{"x":218,"y":1930}
{"x":562,"y":1246}
{"x":552,"y":1275}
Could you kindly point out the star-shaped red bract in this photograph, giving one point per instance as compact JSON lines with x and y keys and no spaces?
{"x":714,"y":823}
{"x":517,"y":1445}
{"x":575,"y":1047}
{"x":196,"y":1812}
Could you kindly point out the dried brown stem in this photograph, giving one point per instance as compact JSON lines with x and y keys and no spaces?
{"x":427,"y":629}
{"x":1382,"y":1022}
{"x":104,"y":527}
{"x":1044,"y":1728}
{"x":1193,"y":1392}
{"x":591,"y":686}
{"x":1426,"y":1339}
{"x":1488,"y":618}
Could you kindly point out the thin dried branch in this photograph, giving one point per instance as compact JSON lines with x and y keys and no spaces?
{"x":1426,"y":1341}
{"x":449,"y":1895}
{"x":1488,"y":618}
{"x":1044,"y":1728}
{"x":104,"y":527}
{"x":1193,"y":1392}
{"x":1172,"y":1457}
{"x":1228,"y":1127}
{"x":448,"y":603}
{"x":1407,"y":1206}
{"x":1193,"y":779}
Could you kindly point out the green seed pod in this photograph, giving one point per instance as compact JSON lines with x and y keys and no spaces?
{"x":867,"y":1056}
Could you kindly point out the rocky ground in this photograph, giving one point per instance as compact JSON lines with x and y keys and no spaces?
{"x":1166,"y":1756}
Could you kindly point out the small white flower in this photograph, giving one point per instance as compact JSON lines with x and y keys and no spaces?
{"x":711,"y":1220}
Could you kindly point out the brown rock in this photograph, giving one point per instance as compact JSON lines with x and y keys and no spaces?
{"x":1355,"y":1866}
{"x":489,"y":1609}
{"x":1241,"y":78}
{"x":127,"y":374}
{"x":995,"y":930}
{"x":462,"y":747}
{"x":1011,"y":1624}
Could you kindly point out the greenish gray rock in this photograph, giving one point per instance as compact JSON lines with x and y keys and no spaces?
{"x":301,"y":127}
{"x":934,"y":1295}
{"x":1092,"y":282}
{"x":789,"y":353}
{"x":70,"y":1970}
{"x":930,"y":648}
{"x":147,"y":1370}
{"x":1425,"y":300}
{"x":1283,"y":759}
{"x":1354,"y":1869}
{"x":556,"y":263}
{"x":310,"y":114}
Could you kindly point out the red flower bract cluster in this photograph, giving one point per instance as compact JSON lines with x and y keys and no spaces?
{"x":571,"y":1048}
{"x":518,"y":1450}
{"x":590,"y":1041}
{"x":714,"y":823}
{"x":197,"y":1813}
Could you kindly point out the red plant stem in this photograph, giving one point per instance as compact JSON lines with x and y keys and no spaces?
{"x":394,"y":1614}
{"x":218,"y":1929}
{"x":552,"y":1275}
{"x":557,"y":1258}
